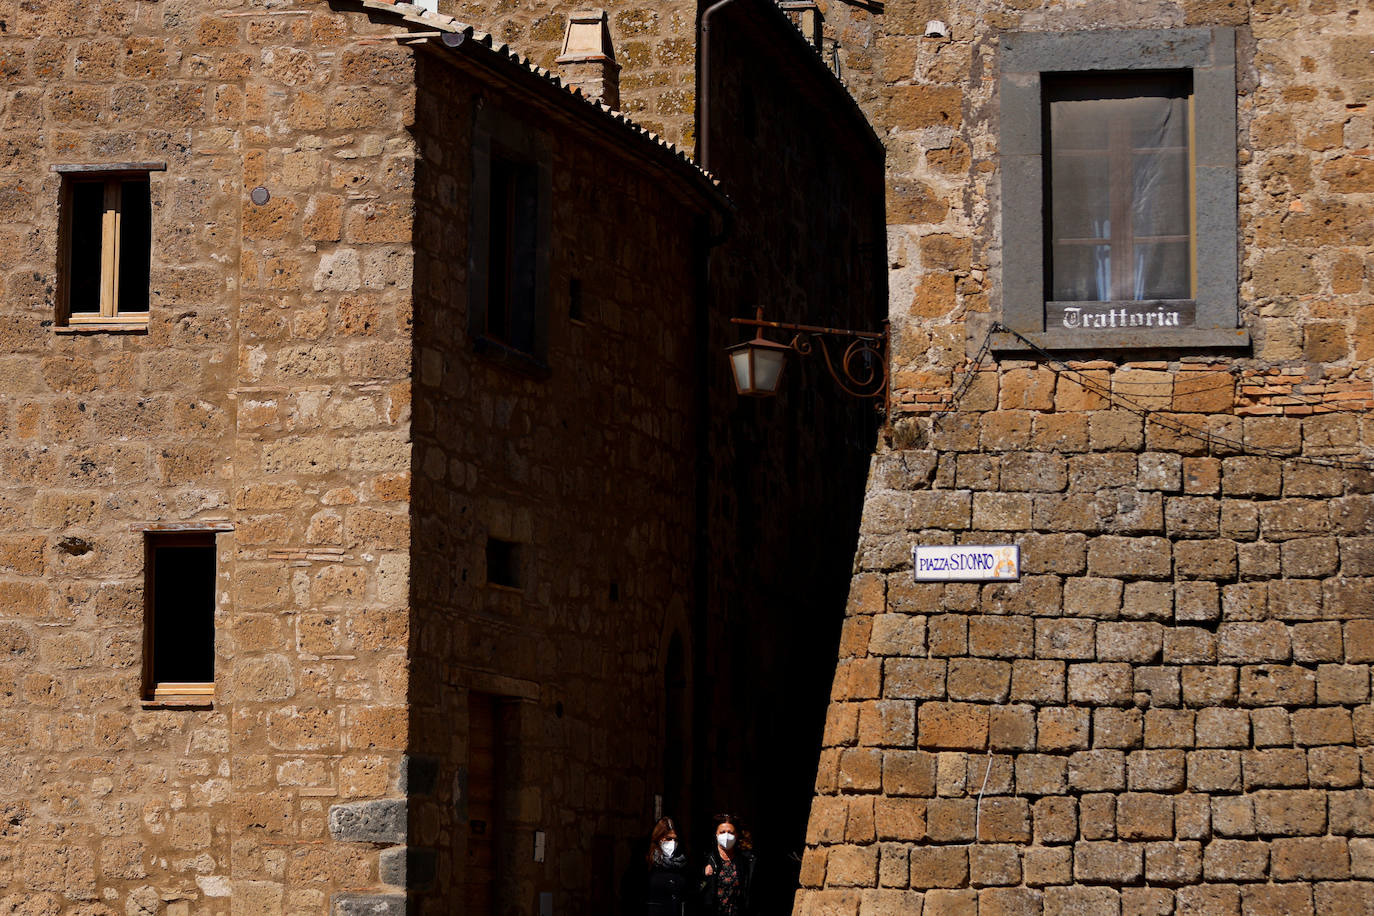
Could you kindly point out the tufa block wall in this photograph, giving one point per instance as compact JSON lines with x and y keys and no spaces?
{"x":270,"y":394}
{"x":1170,"y":712}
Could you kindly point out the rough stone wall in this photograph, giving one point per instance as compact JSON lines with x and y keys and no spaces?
{"x":269,"y":393}
{"x":654,"y":42}
{"x":588,"y":467}
{"x":1170,"y":712}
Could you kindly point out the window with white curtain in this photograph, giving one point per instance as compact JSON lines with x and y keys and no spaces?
{"x":1119,"y":216}
{"x":1118,"y":188}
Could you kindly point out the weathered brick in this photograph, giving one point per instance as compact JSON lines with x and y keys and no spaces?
{"x":1106,"y":684}
{"x":1118,"y":728}
{"x":978,"y":679}
{"x":1173,"y":864}
{"x":1156,"y":771}
{"x":1324,"y":725}
{"x":908,"y":773}
{"x":1001,"y":637}
{"x":1276,"y":900}
{"x":1275,"y":768}
{"x":1055,"y":819}
{"x":1214,"y":771}
{"x":1310,"y":858}
{"x":939,"y":866}
{"x":901,"y":819}
{"x":1235,"y":860}
{"x":1120,"y":557}
{"x":1036,"y":681}
{"x":955,"y":726}
{"x":1047,"y":865}
{"x":1082,"y":901}
{"x":1097,"y":771}
{"x":1144,"y":817}
{"x":852,"y":866}
{"x":1062,"y":729}
{"x":914,"y":678}
{"x":1108,"y":863}
{"x":1290,"y":812}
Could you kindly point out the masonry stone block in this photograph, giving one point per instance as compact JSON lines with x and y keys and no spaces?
{"x":368,"y":905}
{"x":1082,"y":901}
{"x":381,"y":821}
{"x":1173,"y":864}
{"x":1055,"y":820}
{"x":956,"y":726}
{"x":939,"y":866}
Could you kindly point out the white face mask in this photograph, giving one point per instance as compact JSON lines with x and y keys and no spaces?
{"x":669,"y":847}
{"x":726,"y":840}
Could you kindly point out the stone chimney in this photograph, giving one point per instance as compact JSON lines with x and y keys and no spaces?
{"x":588,"y":59}
{"x":806,"y":16}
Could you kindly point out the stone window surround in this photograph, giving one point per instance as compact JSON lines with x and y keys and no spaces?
{"x":1210,"y":56}
{"x":514,"y":139}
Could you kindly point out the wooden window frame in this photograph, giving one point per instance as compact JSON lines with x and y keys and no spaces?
{"x":112,"y":176}
{"x":172,"y":692}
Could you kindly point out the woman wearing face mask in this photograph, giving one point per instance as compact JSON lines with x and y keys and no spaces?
{"x":668,"y":879}
{"x":729,"y":870}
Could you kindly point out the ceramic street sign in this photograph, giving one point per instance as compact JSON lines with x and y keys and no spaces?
{"x":965,"y":562}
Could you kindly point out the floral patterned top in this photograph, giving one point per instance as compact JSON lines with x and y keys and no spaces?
{"x":727,"y":890}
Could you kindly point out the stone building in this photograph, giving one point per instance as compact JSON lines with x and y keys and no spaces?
{"x":1169,"y":711}
{"x":373,"y":486}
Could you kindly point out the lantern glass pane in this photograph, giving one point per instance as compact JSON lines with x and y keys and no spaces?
{"x":739,"y":361}
{"x":767,"y":368}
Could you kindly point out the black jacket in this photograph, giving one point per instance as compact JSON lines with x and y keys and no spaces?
{"x":668,"y":887}
{"x":744,"y":864}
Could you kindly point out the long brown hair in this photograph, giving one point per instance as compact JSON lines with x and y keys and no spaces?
{"x":664,"y":827}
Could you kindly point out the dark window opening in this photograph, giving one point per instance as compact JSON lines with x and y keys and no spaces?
{"x":135,"y":243}
{"x":87,"y":232}
{"x":503,"y":563}
{"x":575,"y":299}
{"x":513,"y":234}
{"x":180,"y":598}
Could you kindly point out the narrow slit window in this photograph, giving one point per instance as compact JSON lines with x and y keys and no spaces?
{"x":107,"y":246}
{"x":179,"y":652}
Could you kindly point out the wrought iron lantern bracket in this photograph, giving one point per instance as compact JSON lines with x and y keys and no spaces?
{"x":861,"y":367}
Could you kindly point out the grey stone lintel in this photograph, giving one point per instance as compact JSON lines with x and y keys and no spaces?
{"x":104,"y":168}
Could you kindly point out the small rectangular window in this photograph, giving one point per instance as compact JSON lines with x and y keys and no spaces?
{"x":503,"y":563}
{"x":106,"y":248}
{"x":179,"y":643}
